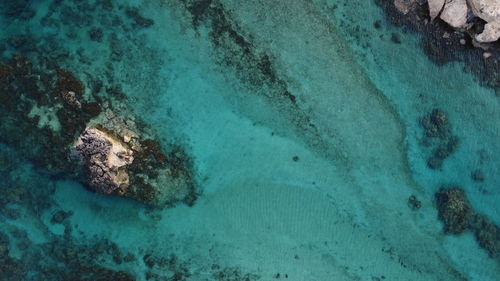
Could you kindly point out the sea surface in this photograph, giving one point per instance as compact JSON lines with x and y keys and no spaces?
{"x":303,"y":120}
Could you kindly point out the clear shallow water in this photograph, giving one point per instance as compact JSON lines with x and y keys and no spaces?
{"x":313,"y":187}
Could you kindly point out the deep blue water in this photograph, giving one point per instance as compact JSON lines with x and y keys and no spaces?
{"x":289,"y":140}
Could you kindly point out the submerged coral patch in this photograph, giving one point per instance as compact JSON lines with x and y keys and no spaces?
{"x":457,"y":215}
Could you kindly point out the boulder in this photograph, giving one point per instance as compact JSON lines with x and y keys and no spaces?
{"x":491,"y":33}
{"x":435,"y":7}
{"x":455,"y":13}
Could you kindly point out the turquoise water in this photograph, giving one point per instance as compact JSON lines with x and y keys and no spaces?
{"x":302,"y":121}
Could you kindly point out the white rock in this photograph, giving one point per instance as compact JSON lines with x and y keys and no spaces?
{"x":491,"y":32}
{"x":455,"y":13}
{"x":435,"y":7}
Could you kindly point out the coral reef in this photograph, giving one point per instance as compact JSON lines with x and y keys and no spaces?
{"x":457,"y":215}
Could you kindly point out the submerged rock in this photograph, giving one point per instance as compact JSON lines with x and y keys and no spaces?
{"x":436,"y":124}
{"x":105,"y":160}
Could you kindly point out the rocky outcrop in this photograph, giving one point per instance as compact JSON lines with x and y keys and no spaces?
{"x":120,"y":158}
{"x":105,"y":160}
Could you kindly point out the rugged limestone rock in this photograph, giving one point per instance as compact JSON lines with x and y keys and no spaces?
{"x":105,"y":160}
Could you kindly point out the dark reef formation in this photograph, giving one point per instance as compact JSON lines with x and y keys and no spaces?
{"x":437,"y":134}
{"x":457,"y":215}
{"x":443,"y":44}
{"x":48,"y":102}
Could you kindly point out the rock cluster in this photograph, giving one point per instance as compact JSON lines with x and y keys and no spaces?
{"x":461,"y":15}
{"x":442,"y":43}
{"x":457,"y":215}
